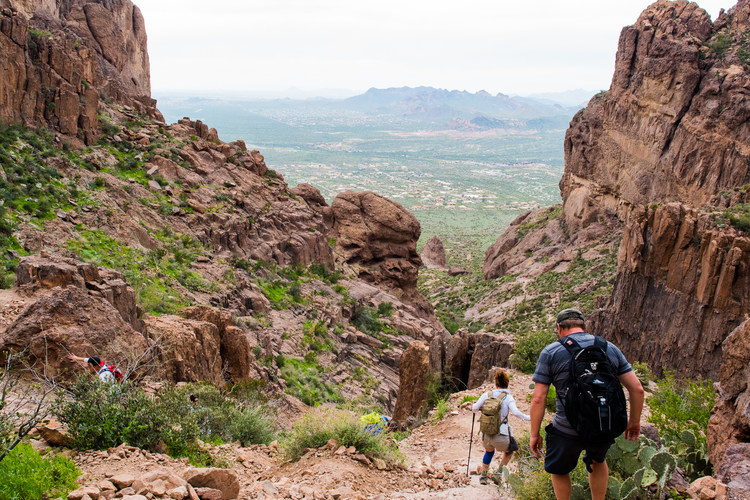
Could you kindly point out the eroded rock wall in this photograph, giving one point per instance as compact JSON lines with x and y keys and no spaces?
{"x":60,"y":59}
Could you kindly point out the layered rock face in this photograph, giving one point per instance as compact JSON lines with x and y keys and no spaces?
{"x":674,"y":123}
{"x":74,"y":308}
{"x":60,"y":59}
{"x":378,"y":239}
{"x":682,"y":285}
{"x":672,"y":127}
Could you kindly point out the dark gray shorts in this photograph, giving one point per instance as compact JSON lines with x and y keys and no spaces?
{"x":563,"y":451}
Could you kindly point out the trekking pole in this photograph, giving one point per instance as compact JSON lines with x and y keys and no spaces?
{"x":471,"y":439}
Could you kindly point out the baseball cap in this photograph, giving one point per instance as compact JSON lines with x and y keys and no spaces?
{"x":570,"y":313}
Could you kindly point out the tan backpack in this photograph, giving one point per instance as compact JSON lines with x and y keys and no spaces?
{"x":489,"y":422}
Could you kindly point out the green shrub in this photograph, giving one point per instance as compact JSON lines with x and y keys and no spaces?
{"x":25,"y":475}
{"x":385,"y":309}
{"x":318,"y":426}
{"x":677,"y":406}
{"x":366,"y":320}
{"x":441,"y":410}
{"x":101,"y":416}
{"x":305,"y":381}
{"x":528,"y":347}
{"x":252,"y":425}
{"x":643,"y":372}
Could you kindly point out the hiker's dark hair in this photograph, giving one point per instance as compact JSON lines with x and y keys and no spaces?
{"x":572,"y":323}
{"x":501,"y":379}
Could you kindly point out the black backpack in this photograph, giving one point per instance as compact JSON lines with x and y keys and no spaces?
{"x":594,"y":400}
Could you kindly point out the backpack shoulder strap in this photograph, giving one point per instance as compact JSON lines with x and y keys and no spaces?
{"x":600,"y":343}
{"x":570,"y":345}
{"x":505,"y":420}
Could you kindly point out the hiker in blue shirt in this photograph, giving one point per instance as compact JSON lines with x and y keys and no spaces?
{"x":564,"y":444}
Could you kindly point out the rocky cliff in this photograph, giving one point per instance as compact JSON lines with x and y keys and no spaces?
{"x":60,"y":59}
{"x":662,"y":158}
{"x":673,"y":128}
{"x":223,"y":272}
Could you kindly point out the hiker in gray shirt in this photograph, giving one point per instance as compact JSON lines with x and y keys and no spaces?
{"x":564,"y":445}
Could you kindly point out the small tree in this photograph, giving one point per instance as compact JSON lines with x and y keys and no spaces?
{"x":22,"y":407}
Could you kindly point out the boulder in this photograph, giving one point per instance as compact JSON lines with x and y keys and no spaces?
{"x":223,"y":480}
{"x":189,"y":350}
{"x":378,"y":237}
{"x":490,"y":350}
{"x":415,"y":374}
{"x":71,"y":320}
{"x":734,"y":471}
{"x":157,"y":483}
{"x":36,"y":272}
{"x":433,"y":253}
{"x":311,"y":195}
{"x":234,"y":346}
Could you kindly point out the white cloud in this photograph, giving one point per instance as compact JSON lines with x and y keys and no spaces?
{"x":496,"y":45}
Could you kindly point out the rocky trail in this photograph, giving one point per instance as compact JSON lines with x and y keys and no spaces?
{"x":434,"y":467}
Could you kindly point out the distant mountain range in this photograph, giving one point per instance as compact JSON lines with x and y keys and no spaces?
{"x":402,"y":107}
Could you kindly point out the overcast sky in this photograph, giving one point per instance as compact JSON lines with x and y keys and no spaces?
{"x":506,"y":46}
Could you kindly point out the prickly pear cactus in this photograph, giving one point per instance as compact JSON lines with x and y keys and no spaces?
{"x":664,"y":465}
{"x":613,"y":487}
{"x":645,"y":454}
{"x":628,"y":490}
{"x":649,"y":477}
{"x":626,"y":445}
{"x":689,"y":438}
{"x":578,"y":493}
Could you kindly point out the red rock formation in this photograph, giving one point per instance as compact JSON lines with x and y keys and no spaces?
{"x":433,"y":253}
{"x":674,"y":123}
{"x":70,"y":320}
{"x":416,"y":370}
{"x":682,"y":285}
{"x":378,"y":238}
{"x":60,"y":58}
{"x":730,"y":420}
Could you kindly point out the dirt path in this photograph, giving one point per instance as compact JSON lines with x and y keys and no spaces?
{"x":445,"y":445}
{"x":435,"y":464}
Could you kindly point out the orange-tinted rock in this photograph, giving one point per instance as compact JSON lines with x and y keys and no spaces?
{"x":433,"y":253}
{"x":71,"y":320}
{"x":415,"y":373}
{"x":58,"y":58}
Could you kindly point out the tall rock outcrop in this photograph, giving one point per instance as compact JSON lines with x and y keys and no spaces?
{"x":60,"y":59}
{"x":663,"y":157}
{"x":674,"y":124}
{"x":673,"y":127}
{"x":378,"y":239}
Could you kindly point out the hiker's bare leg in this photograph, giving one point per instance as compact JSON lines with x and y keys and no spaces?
{"x":507,"y":455}
{"x":562,"y":485}
{"x":598,"y":480}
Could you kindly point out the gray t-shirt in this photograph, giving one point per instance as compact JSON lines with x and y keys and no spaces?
{"x":553,"y":368}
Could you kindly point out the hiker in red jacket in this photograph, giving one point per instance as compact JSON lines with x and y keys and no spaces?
{"x":105,"y":372}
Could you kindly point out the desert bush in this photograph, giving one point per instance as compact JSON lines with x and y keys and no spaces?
{"x":101,"y":416}
{"x":26,"y":475}
{"x":317,"y":427}
{"x":677,"y":406}
{"x":304,"y":381}
{"x":528,"y":347}
{"x":252,"y":425}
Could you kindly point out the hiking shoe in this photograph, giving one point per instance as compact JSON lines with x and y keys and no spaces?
{"x":483,"y":480}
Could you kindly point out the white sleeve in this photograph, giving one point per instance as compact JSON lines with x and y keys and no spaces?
{"x":478,"y":405}
{"x":515,"y":411}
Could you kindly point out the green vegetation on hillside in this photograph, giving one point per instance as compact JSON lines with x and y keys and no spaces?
{"x":100,"y":416}
{"x":26,"y":475}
